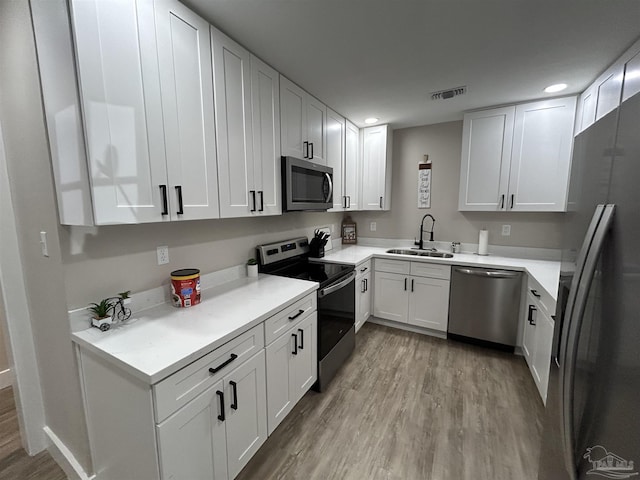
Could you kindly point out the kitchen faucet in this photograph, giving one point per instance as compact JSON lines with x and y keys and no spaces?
{"x":420,"y":243}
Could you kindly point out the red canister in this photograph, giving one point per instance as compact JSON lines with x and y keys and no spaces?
{"x":185,"y":287}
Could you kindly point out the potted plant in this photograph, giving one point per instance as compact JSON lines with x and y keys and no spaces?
{"x":102,"y":314}
{"x":125,"y":297}
{"x":252,"y":268}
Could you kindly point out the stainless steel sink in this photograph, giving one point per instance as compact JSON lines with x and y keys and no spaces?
{"x":420,"y":253}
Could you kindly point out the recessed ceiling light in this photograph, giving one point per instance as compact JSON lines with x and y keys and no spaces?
{"x":558,"y":87}
{"x":371,"y":120}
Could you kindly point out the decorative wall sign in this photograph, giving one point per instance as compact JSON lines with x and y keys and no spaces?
{"x":349,"y":231}
{"x":424,"y":184}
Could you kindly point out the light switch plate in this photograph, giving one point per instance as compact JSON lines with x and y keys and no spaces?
{"x":163,"y":255}
{"x":506,"y":230}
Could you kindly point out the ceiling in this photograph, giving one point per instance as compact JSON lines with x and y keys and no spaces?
{"x":383,"y":58}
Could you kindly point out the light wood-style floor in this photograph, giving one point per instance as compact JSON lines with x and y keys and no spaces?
{"x":411,"y":407}
{"x":15,"y":463}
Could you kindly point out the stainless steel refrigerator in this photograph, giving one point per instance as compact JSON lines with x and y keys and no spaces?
{"x":592,"y":425}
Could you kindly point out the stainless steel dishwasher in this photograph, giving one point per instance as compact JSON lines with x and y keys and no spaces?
{"x":484,"y":305}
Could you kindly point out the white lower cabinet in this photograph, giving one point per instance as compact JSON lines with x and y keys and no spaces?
{"x":419,"y":297}
{"x":537,"y":337}
{"x":291,"y":368}
{"x":363,"y":293}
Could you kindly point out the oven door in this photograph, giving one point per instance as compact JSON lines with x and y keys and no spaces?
{"x":336,"y":313}
{"x":306,"y":185}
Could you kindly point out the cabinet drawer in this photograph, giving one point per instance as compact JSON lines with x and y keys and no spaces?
{"x":363,"y":269}
{"x":432,"y":270}
{"x":543,"y":299}
{"x":287,"y":318}
{"x":392,"y":266}
{"x":184,"y":385}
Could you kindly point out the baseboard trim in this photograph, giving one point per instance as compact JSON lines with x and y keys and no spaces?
{"x":6,"y":380}
{"x":63,"y":457}
{"x":407,"y":327}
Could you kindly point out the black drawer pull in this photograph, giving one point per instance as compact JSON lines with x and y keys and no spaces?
{"x":405,"y":284}
{"x":363,"y":269}
{"x":311,"y":145}
{"x":412,"y":280}
{"x":535,"y":293}
{"x":530,"y":318}
{"x":301,"y":338}
{"x":221,"y":396}
{"x":224,"y":364}
{"x":253,"y":196}
{"x":261,"y":193}
{"x":300,"y":312}
{"x":295,"y":344}
{"x":234,"y":386}
{"x":364,"y":286}
{"x":165,"y":204}
{"x":305,"y":147}
{"x":180,"y":205}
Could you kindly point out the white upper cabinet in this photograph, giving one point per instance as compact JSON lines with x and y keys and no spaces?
{"x":586,"y":110}
{"x":335,"y":157}
{"x":541,"y":157}
{"x":631,"y":77}
{"x":303,"y":123}
{"x":247,"y":130}
{"x":517,"y":158}
{"x":117,"y":64}
{"x":486,"y":159}
{"x":184,"y":55}
{"x":376,"y":168}
{"x":352,"y":167}
{"x":609,"y":89}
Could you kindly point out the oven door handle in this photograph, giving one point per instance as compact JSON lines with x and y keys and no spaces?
{"x":332,"y":288}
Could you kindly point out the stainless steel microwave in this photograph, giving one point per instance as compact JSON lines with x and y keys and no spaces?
{"x":306,"y":185}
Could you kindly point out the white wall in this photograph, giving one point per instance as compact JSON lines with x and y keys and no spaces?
{"x":443,"y":143}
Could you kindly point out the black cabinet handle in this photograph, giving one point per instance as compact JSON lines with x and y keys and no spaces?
{"x":165,"y":203}
{"x":253,"y":197}
{"x":295,"y":344}
{"x":305,"y":147}
{"x":224,"y":364}
{"x":535,"y":293}
{"x":501,"y":201}
{"x":380,"y":202}
{"x":220,"y":394}
{"x":405,"y":284}
{"x":234,"y":387}
{"x":532,"y":309}
{"x":512,"y":197}
{"x":311,"y":145}
{"x":301,"y":339}
{"x":261,"y":209}
{"x":349,"y":204}
{"x":412,"y":280}
{"x":364,"y":269}
{"x":364,"y":286}
{"x":344,"y":201}
{"x":300,"y":312}
{"x":180,"y":206}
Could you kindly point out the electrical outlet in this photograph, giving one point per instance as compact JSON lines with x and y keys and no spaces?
{"x":43,"y":244}
{"x":373,"y":226}
{"x":506,"y":230}
{"x":163,"y":255}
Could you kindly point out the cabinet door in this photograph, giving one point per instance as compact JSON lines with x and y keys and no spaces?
{"x":265,"y":106}
{"x":305,"y":363}
{"x":363,"y":302}
{"x":374,"y":159}
{"x":586,"y":114}
{"x":529,"y":333}
{"x":120,"y":94}
{"x":293,"y":119}
{"x":390,"y":299}
{"x":542,"y":142}
{"x":192,"y":442}
{"x":631,"y":78}
{"x":184,"y":56}
{"x":542,"y":357}
{"x":316,"y":130}
{"x":609,"y":88}
{"x":280,"y":379}
{"x":352,"y":166}
{"x":232,"y":85}
{"x":246,"y":412}
{"x":335,"y":156}
{"x":486,"y":157}
{"x":429,"y":303}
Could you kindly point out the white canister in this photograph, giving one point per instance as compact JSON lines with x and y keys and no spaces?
{"x":252,"y":271}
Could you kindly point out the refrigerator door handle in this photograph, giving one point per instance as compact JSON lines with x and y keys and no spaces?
{"x":580,"y":290}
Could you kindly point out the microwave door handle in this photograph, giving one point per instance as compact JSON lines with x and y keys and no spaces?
{"x":329,"y":290}
{"x":330,"y":194}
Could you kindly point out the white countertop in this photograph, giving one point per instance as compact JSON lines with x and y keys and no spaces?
{"x":159,"y":341}
{"x":546,"y":273}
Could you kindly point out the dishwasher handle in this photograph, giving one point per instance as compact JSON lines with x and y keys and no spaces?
{"x":488,"y":273}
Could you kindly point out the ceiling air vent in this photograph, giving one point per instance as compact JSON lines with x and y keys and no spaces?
{"x":450,"y":93}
